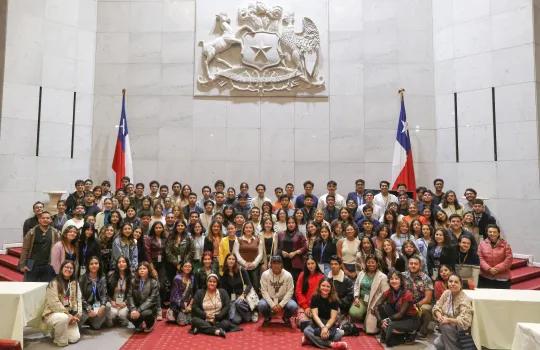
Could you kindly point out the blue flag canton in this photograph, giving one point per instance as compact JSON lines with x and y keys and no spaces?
{"x":402,"y":129}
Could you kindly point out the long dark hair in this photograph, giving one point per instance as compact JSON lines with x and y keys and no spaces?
{"x":116,"y":275}
{"x":152,"y":232}
{"x":307,"y":273}
{"x":235,"y":269}
{"x":60,"y":282}
{"x":87,"y":226}
{"x":99,"y":272}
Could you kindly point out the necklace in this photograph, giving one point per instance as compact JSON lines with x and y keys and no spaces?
{"x":276,"y":284}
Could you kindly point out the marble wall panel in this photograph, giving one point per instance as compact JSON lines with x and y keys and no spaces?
{"x":60,"y":39}
{"x":277,"y":173}
{"x":12,"y":106}
{"x":513,"y":65}
{"x":316,"y":171}
{"x":478,"y":175}
{"x":465,"y":10}
{"x":176,"y":110}
{"x":518,"y":179}
{"x":311,"y":113}
{"x":379,"y":145}
{"x":446,"y":145}
{"x":113,"y":17}
{"x":25,"y":64}
{"x":443,"y":44}
{"x":475,"y":143}
{"x":112,"y":47}
{"x":87,"y":18}
{"x":311,"y":145}
{"x":208,"y":112}
{"x":515,"y":103}
{"x":243,"y":113}
{"x":472,"y":37}
{"x":11,"y":141}
{"x":277,"y":113}
{"x":504,"y":31}
{"x":422,"y":143}
{"x":54,"y":139}
{"x":62,"y":11}
{"x":176,"y":79}
{"x":474,"y":107}
{"x":498,"y":6}
{"x":17,"y":172}
{"x":169,"y":171}
{"x":345,"y":174}
{"x":474,"y":72}
{"x":346,"y":112}
{"x":144,"y":47}
{"x":178,"y":15}
{"x":444,"y":110}
{"x":211,"y":143}
{"x":517,"y":140}
{"x":175,"y":143}
{"x":243,"y":144}
{"x":242,"y":171}
{"x":346,"y":145}
{"x":176,"y":47}
{"x":445,"y":77}
{"x":82,"y":144}
{"x":145,"y":16}
{"x":56,"y":106}
{"x":62,"y":175}
{"x":277,"y":145}
{"x":205,"y":172}
{"x":345,"y":15}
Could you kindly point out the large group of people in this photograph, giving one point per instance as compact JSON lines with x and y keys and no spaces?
{"x":392,"y":261}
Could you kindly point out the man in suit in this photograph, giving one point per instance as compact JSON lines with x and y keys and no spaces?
{"x":481,"y":218}
{"x":358,"y":194}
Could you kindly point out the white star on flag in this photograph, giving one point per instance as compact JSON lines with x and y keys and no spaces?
{"x":405,"y":126}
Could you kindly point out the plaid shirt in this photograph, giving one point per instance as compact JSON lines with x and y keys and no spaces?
{"x":418,"y":285}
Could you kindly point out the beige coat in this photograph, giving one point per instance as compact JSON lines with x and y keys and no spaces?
{"x":378,"y":287}
{"x":461,"y":307}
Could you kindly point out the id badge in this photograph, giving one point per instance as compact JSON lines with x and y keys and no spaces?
{"x":159,"y":258}
{"x":83,"y":270}
{"x":66,"y":300}
{"x":366,"y":298}
{"x":96,"y":307}
{"x":120,"y":299}
{"x":233,"y":296}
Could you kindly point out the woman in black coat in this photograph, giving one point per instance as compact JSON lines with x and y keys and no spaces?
{"x":88,"y":246}
{"x":210,"y":310}
{"x":441,"y":252}
{"x":143,"y":298}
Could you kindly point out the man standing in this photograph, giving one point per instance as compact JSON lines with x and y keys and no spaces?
{"x":437,"y":196}
{"x":277,"y":288}
{"x":78,"y":218}
{"x":261,"y":197}
{"x":383,"y":198}
{"x":37,"y":208}
{"x":308,"y":191}
{"x":309,"y":207}
{"x":76,"y":197}
{"x":470,"y":194}
{"x":90,"y":207}
{"x":358,"y":194}
{"x":192,"y":205}
{"x":138,"y":197}
{"x":378,"y":212}
{"x":421,"y":287}
{"x":176,"y":195}
{"x":206,"y":192}
{"x":35,"y":261}
{"x":331,"y":186}
{"x":219,"y":197}
{"x":481,"y":218}
{"x":330,"y":211}
{"x":289,"y":191}
{"x":455,"y":230}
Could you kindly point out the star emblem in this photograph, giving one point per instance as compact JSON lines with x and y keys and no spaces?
{"x":261,"y":49}
{"x":405,"y":126}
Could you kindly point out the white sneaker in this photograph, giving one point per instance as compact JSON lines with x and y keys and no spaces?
{"x":255,"y":317}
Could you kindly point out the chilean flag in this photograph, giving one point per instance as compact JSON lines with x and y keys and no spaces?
{"x":122,"y":163}
{"x":402,"y":163}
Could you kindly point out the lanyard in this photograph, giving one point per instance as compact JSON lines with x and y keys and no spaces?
{"x":141,"y":286}
{"x":67,"y":291}
{"x":94,"y":290}
{"x":323,"y":247}
{"x":121,"y":283}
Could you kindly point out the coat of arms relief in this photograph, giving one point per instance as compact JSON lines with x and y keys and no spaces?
{"x":258,"y":50}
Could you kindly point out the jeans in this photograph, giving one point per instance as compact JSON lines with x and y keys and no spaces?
{"x":239,"y":311}
{"x":288,"y":311}
{"x":310,"y":333}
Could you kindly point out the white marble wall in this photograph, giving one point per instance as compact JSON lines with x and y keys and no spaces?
{"x":477,"y":45}
{"x":50,"y":44}
{"x":348,"y":135}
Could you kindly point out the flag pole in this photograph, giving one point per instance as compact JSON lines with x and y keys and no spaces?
{"x":401,"y":92}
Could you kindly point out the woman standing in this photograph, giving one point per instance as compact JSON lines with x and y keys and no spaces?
{"x":391,"y":259}
{"x":143,"y":298}
{"x":369,"y":287}
{"x":307,"y":284}
{"x":397,"y":311}
{"x":227,"y":244}
{"x":366,"y":249}
{"x":106,"y":236}
{"x":179,"y":249}
{"x":292,"y":246}
{"x":425,"y":240}
{"x":402,"y":234}
{"x":118,"y":284}
{"x":442,"y":252}
{"x":323,"y":331}
{"x":323,"y":249}
{"x":454,"y":313}
{"x":300,"y":220}
{"x":441,"y":220}
{"x":65,"y":249}
{"x":281,"y":223}
{"x":346,"y":249}
{"x":125,"y":245}
{"x":390,"y":219}
{"x":450,"y":205}
{"x":236,"y":282}
{"x":211,"y":244}
{"x":312,"y":233}
{"x":269,"y":242}
{"x":94,"y":295}
{"x":198,"y":237}
{"x":183,"y":288}
{"x":495,"y":260}
{"x":249,"y":253}
{"x":211,"y":310}
{"x":63,"y":306}
{"x":88,"y":246}
{"x":154,"y":245}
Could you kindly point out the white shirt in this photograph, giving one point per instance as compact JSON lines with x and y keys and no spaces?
{"x":383,"y":201}
{"x":340,"y":201}
{"x":378,"y":212}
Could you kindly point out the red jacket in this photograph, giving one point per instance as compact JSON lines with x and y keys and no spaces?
{"x":304,"y":300}
{"x":499,"y":257}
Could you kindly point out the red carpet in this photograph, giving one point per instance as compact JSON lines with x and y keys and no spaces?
{"x":253,"y":337}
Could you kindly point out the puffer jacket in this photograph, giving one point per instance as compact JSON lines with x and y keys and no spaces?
{"x":499,"y":257}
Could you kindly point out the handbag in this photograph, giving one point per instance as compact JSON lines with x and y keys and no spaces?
{"x":465,"y":340}
{"x":252,"y":298}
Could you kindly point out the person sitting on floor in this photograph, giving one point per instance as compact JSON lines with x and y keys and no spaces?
{"x":421,"y":287}
{"x":323,"y":331}
{"x":369,"y":287}
{"x":182,"y":291}
{"x":63,"y":306}
{"x":397,"y":312}
{"x":454,"y":313}
{"x":277,"y":288}
{"x":94,"y":293}
{"x":343,"y":286}
{"x":143,"y":298}
{"x":210,"y":311}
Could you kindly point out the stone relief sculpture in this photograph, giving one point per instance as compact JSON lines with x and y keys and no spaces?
{"x":272,"y":56}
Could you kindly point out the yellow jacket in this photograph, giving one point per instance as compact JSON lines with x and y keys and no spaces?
{"x":224,"y":249}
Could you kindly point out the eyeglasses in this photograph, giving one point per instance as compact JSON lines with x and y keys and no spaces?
{"x":69,"y":268}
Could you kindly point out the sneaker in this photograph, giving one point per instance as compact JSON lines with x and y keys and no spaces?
{"x":254,"y":317}
{"x":340,"y":345}
{"x":149,"y":329}
{"x":266,"y":321}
